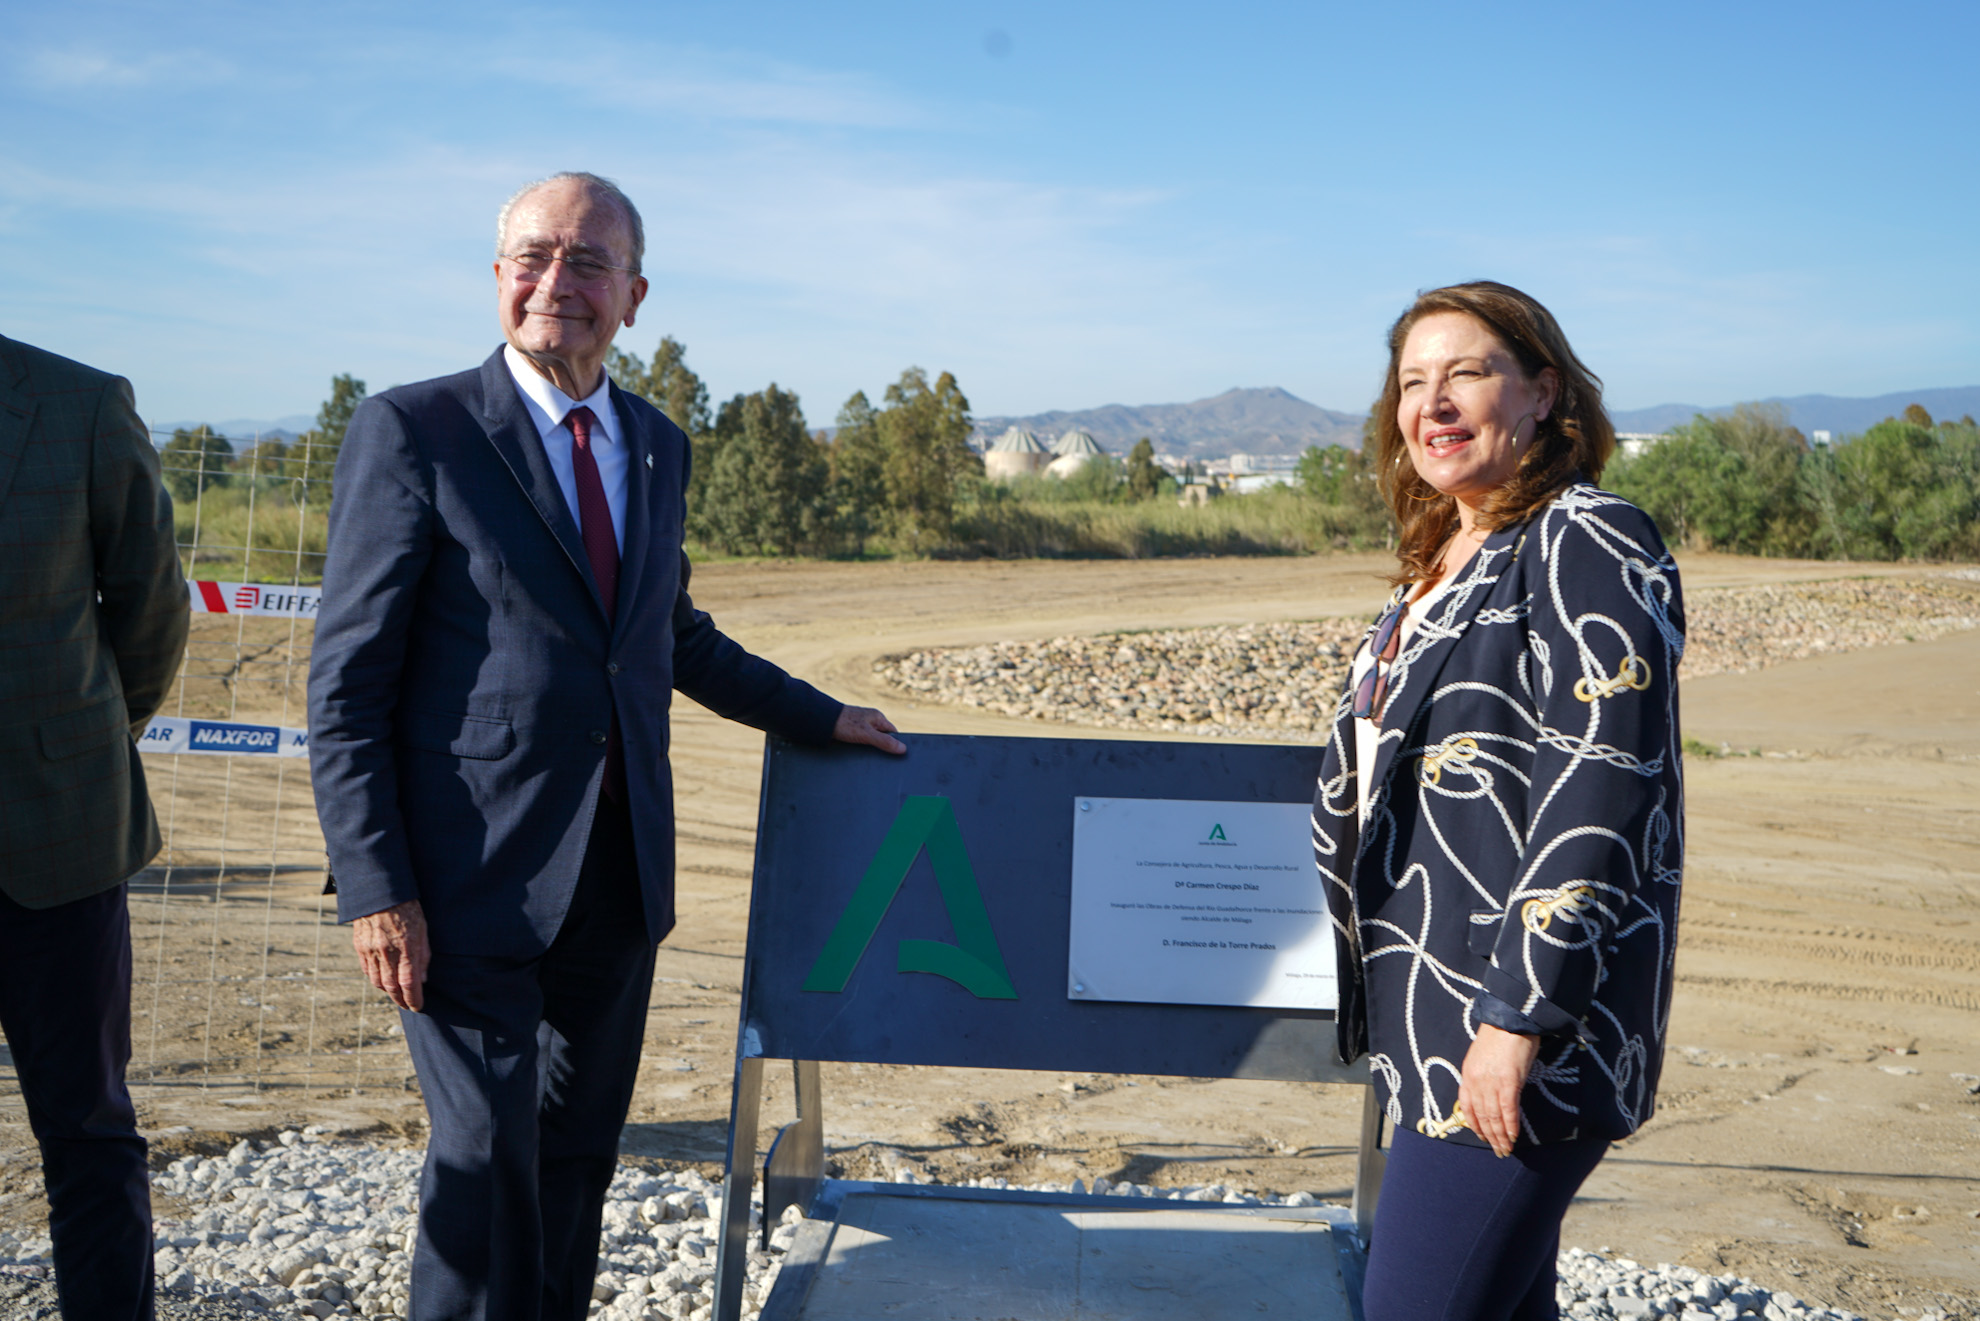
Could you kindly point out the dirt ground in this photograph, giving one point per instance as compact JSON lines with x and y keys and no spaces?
{"x":1810,"y":1133}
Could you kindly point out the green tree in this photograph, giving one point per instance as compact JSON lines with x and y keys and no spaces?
{"x":667,"y":383}
{"x":1142,"y":474}
{"x":1901,"y":490}
{"x":1731,"y":482}
{"x":1100,"y":480}
{"x":765,"y":492}
{"x":1328,"y":474}
{"x":1770,"y":454}
{"x":312,"y":458}
{"x":195,"y":459}
{"x":1917,"y":416}
{"x":924,"y":430}
{"x":264,"y":458}
{"x":857,"y":494}
{"x":1345,"y":479}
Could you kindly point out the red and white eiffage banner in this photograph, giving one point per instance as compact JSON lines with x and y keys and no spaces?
{"x":255,"y":599}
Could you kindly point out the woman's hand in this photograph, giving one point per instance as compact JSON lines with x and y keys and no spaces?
{"x":1494,"y":1072}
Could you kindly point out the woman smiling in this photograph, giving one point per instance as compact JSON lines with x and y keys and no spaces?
{"x":1500,"y":811}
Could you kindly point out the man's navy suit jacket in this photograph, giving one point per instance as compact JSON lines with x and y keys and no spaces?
{"x":465,"y":675}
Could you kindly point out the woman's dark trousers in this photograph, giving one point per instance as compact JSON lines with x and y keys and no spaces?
{"x":1461,"y":1235}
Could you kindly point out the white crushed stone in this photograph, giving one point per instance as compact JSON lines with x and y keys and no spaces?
{"x":306,"y":1227}
{"x":1599,"y":1286}
{"x":1280,"y":681}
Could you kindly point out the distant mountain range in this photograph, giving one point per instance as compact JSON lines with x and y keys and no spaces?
{"x":1817,"y":412}
{"x":241,"y":429}
{"x":1275,"y":421}
{"x":1267,"y":421}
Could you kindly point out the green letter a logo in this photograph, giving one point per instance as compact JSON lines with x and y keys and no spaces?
{"x":974,"y":962}
{"x":1217,"y":832}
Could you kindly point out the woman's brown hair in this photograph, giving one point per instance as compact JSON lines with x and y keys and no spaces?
{"x":1574,"y":442}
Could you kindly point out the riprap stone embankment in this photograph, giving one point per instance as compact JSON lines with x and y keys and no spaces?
{"x":1280,"y":681}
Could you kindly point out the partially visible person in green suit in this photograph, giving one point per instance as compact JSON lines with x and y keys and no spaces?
{"x":93,"y":619}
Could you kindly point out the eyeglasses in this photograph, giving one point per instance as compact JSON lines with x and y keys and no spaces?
{"x":587,"y":272}
{"x":1384,"y":645}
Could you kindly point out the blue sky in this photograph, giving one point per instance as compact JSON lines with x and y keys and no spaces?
{"x":1065,"y":204}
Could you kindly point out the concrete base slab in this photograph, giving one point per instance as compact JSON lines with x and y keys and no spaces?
{"x":936,"y":1259}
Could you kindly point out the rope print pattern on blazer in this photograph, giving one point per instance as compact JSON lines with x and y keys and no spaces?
{"x":1526,"y":833}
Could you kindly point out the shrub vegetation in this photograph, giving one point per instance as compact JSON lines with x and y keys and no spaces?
{"x":1747,"y":482}
{"x":900,"y":479}
{"x":254,"y":511}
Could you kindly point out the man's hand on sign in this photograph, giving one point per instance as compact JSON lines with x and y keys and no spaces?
{"x":863,"y":724}
{"x":392,"y":946}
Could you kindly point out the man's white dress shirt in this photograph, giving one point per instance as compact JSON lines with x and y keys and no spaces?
{"x":548,"y":407}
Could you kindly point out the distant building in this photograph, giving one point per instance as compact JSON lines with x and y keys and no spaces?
{"x":1242,"y":474}
{"x":1016,"y":453}
{"x":1198,"y":493}
{"x":1633,"y":443}
{"x":1077,"y":441}
{"x":1821,"y":438}
{"x":1238,"y":464}
{"x":1072,"y":451}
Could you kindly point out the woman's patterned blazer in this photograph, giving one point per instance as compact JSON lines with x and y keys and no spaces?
{"x":1526,"y":833}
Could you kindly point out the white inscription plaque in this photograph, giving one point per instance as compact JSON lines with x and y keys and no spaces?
{"x":1176,"y":901}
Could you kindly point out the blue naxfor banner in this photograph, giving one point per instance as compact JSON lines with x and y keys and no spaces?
{"x":226,"y":738}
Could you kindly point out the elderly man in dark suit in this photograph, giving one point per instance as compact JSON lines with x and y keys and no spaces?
{"x":505,"y":618}
{"x":93,"y":618}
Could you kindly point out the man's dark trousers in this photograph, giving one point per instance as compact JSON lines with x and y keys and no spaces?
{"x":528,"y":1067}
{"x":65,"y":1006}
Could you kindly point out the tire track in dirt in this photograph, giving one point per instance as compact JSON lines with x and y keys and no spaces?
{"x":1773,"y":989}
{"x":713,"y":841}
{"x":1948,"y":956}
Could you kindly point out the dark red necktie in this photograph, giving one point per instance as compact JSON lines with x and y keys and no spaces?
{"x":601,"y":546}
{"x":594,"y":513}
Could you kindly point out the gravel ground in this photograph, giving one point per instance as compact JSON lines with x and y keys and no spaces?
{"x":1280,"y":681}
{"x":303,"y":1227}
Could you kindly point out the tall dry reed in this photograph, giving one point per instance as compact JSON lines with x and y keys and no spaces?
{"x":255,"y":532}
{"x":1274,"y":522}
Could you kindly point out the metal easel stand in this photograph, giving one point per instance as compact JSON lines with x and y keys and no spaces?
{"x":794,"y":1175}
